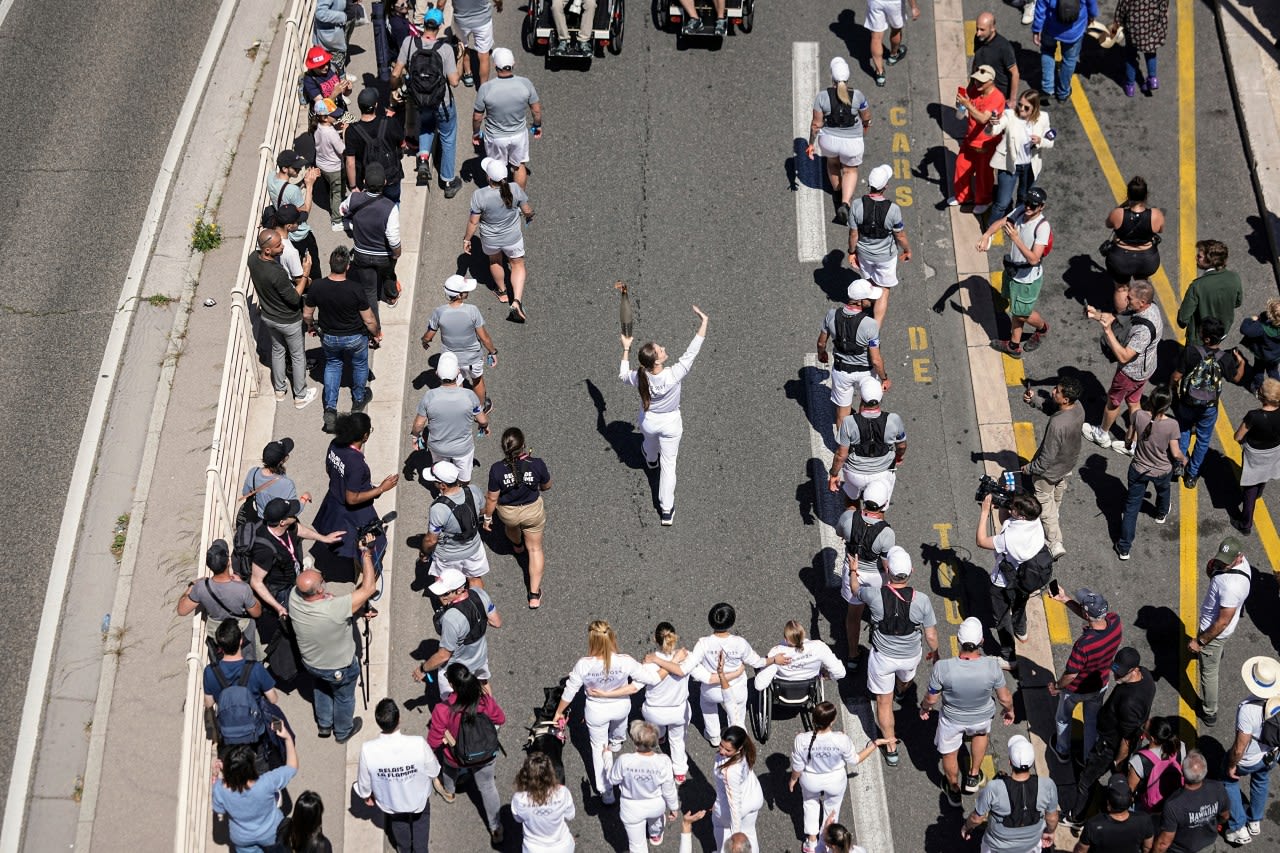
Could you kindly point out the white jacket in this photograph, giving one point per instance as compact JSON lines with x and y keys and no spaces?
{"x":1008,"y":124}
{"x":645,"y":777}
{"x":815,"y":658}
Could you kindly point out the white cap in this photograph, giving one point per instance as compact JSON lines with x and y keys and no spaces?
{"x":503,"y":58}
{"x":970,"y":632}
{"x":863,"y":289}
{"x":839,"y":70}
{"x":449,"y":580}
{"x":459,"y":284}
{"x":1021,"y":753}
{"x":494,"y":170}
{"x":876,"y":492}
{"x":871,"y":389}
{"x":899,"y":562}
{"x":879,"y":177}
{"x":443,"y":471}
{"x":447,"y":366}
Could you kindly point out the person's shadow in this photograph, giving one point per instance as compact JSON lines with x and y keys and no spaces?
{"x":621,"y":435}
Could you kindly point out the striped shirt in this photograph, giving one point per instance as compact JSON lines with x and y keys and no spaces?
{"x":1092,"y":654}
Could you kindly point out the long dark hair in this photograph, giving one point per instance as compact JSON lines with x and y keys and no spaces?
{"x":504,"y":190}
{"x":737,"y":738}
{"x":824,"y":714}
{"x":513,"y":451}
{"x":1164,"y":735}
{"x":838,"y":838}
{"x":1158,"y":402}
{"x":467,"y":689}
{"x":648,"y":357}
{"x":305,"y":829}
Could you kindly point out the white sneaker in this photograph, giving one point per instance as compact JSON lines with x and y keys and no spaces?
{"x":1254,"y":827}
{"x":1096,"y":435}
{"x":305,"y":399}
{"x":338,"y":227}
{"x":1028,"y":12}
{"x":280,"y":395}
{"x":1120,"y":447}
{"x":1240,"y":836}
{"x":1057,"y":551}
{"x":953,"y":202}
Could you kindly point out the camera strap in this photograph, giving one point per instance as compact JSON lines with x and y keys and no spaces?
{"x":208,"y":586}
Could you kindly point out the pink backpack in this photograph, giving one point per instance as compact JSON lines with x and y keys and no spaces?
{"x":1163,"y":779}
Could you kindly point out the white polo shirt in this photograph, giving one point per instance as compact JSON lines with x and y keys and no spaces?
{"x":397,"y":770}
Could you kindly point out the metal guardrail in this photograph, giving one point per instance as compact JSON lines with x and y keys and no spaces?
{"x":240,"y":383}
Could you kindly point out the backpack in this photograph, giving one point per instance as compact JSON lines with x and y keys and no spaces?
{"x":874,"y":214}
{"x":871,"y":443}
{"x":862,"y":536}
{"x":1048,"y":246}
{"x":847,"y":347}
{"x":240,"y":718}
{"x":468,"y":521}
{"x":1022,"y":802}
{"x":1031,"y":574}
{"x":242,"y":545}
{"x":1202,"y":386}
{"x":477,"y":740}
{"x":1269,"y":738}
{"x":896,"y":621}
{"x":473,"y":609}
{"x":1068,"y":11}
{"x":377,"y":149}
{"x":426,"y":81}
{"x":842,"y":114}
{"x":1163,"y":779}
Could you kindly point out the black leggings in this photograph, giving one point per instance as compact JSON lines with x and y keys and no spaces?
{"x":1251,"y":495}
{"x":1124,"y":265}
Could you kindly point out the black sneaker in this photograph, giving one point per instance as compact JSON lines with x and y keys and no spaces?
{"x":451,"y":189}
{"x":487,"y":407}
{"x":363,"y":404}
{"x":356,"y":725}
{"x":424,"y":169}
{"x":325,"y":733}
{"x":842,"y":214}
{"x":691,"y":26}
{"x":1191,"y":482}
{"x":667,"y":517}
{"x":972,"y":782}
{"x":952,"y":795}
{"x":1210,"y":720}
{"x":330,"y":420}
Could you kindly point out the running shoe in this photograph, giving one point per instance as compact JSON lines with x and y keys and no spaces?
{"x":896,"y":57}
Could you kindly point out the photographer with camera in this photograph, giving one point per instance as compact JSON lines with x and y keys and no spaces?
{"x":324,"y":625}
{"x":1022,"y":561}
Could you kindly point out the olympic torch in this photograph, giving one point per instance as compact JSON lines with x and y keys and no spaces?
{"x":626,"y":316}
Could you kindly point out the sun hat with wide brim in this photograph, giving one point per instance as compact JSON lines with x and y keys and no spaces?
{"x":1106,"y":37}
{"x":1261,"y":675}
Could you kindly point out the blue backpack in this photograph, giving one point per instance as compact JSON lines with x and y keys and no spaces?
{"x":240,"y":718}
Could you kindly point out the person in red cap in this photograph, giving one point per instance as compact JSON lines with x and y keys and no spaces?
{"x":323,"y":80}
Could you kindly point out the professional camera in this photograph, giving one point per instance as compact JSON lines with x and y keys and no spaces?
{"x":378,"y":526}
{"x":1000,"y":496}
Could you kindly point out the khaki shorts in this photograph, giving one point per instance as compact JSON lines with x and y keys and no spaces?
{"x":529,"y":518}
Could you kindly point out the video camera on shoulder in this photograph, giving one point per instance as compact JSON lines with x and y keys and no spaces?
{"x":1001,"y":491}
{"x":378,"y":526}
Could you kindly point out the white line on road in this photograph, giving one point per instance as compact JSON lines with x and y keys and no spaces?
{"x":811,"y":226}
{"x":5,"y":6}
{"x":867,"y":797}
{"x":95,"y":421}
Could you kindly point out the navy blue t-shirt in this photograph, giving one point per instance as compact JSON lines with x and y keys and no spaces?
{"x":513,"y":491}
{"x":259,"y":682}
{"x":348,"y":472}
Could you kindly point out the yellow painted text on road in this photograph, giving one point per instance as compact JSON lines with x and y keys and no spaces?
{"x":898,"y":116}
{"x":917,"y":337}
{"x":920,"y":370}
{"x":944,"y":535}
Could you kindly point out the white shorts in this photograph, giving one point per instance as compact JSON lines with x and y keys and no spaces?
{"x":865,"y":578}
{"x":463,"y":463}
{"x":847,"y":148}
{"x":950,"y":736}
{"x":513,"y":150}
{"x":883,"y":15}
{"x":883,"y":671}
{"x":845,"y":385}
{"x":515,"y":250}
{"x":473,"y":369}
{"x":472,"y":567}
{"x":855,"y":483}
{"x":483,"y":42}
{"x":881,"y":273}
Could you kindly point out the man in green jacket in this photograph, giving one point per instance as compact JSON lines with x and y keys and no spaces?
{"x":1216,"y":293}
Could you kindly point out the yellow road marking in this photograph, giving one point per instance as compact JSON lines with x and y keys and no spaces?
{"x":1024,"y":440}
{"x":1013,"y":372}
{"x":970,"y":29}
{"x":988,"y":767}
{"x":1055,"y":616}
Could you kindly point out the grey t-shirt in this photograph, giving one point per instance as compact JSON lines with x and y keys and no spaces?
{"x":884,"y":248}
{"x":993,"y":801}
{"x":894,"y":431}
{"x":921,"y":613}
{"x":449,"y":411}
{"x":868,"y":336}
{"x":444,"y":48}
{"x":822,"y":103}
{"x":499,"y":224}
{"x":472,"y":13}
{"x":457,"y":325}
{"x":442,"y":521}
{"x":1144,"y":343}
{"x":505,"y":103}
{"x":966,"y":687}
{"x":280,"y":487}
{"x":884,"y":540}
{"x":454,"y":629}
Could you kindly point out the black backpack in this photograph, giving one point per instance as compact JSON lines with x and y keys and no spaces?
{"x":465,"y":513}
{"x":378,"y":149}
{"x":473,"y":609}
{"x":1031,"y":574}
{"x":874,"y":214}
{"x":1269,"y":738}
{"x":863,"y":536}
{"x":842,"y":114}
{"x":846,"y":343}
{"x":896,"y":621}
{"x":1068,"y":11}
{"x":426,"y":81}
{"x":871,"y":443}
{"x":477,"y":740}
{"x":1022,"y":802}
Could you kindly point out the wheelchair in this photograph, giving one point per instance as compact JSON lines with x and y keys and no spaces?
{"x":802,"y":695}
{"x":538,"y":32}
{"x":740,"y":14}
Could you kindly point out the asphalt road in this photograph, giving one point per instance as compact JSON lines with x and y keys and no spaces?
{"x":84,"y":144}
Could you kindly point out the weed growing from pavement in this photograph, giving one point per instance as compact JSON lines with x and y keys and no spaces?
{"x":206,"y":235}
{"x":119,"y":532}
{"x":159,"y":300}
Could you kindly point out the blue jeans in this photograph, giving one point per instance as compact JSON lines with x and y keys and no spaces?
{"x":339,"y":351}
{"x":443,"y":120}
{"x":335,"y":697}
{"x":1070,"y":56}
{"x":1259,"y":781}
{"x":1200,"y":419}
{"x":1138,"y":483}
{"x":1131,"y":64}
{"x":1021,"y":180}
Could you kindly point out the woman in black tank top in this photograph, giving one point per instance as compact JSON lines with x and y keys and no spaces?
{"x":1135,"y":240}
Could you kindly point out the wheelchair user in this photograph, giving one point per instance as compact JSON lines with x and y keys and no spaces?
{"x":693,"y":22}
{"x":809,"y":659}
{"x":586,"y":25}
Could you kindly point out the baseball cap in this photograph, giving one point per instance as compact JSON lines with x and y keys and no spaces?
{"x":970,"y":632}
{"x":1093,"y":604}
{"x":1036,"y":197}
{"x":316,"y":57}
{"x":1228,"y":550}
{"x":870,"y":390}
{"x":328,"y":107}
{"x":375,"y":177}
{"x":864,"y":289}
{"x":288,"y":214}
{"x":367,"y":99}
{"x":459,"y":284}
{"x":839,"y":70}
{"x":449,"y":580}
{"x":876,"y":492}
{"x":983,"y":74}
{"x":494,"y":170}
{"x":443,"y":471}
{"x":503,"y":58}
{"x":290,"y":159}
{"x":1126,"y":659}
{"x":278,"y":509}
{"x":1021,"y":753}
{"x":447,"y":366}
{"x":899,"y":562}
{"x":276,"y":451}
{"x":1119,"y":797}
{"x":879,"y":177}
{"x":433,"y":18}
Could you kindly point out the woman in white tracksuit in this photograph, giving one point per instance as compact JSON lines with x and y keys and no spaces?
{"x":666,"y":704}
{"x":820,"y":762}
{"x":659,"y":420}
{"x":603,"y":671}
{"x":647,"y":787}
{"x":543,"y":807}
{"x":738,"y":794}
{"x":809,"y":659}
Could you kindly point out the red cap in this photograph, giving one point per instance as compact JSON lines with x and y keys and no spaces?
{"x":317,"y":57}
